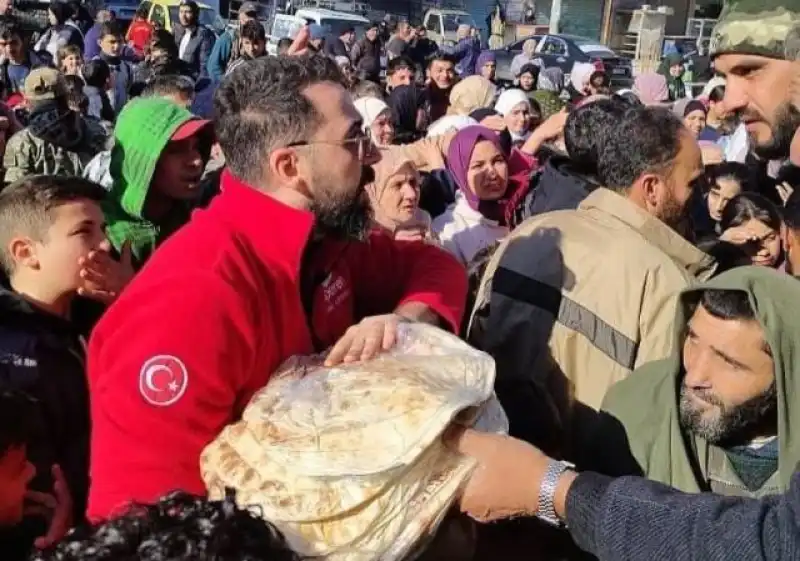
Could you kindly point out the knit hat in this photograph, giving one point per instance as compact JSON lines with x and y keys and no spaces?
{"x":144,"y":128}
{"x":683,"y":107}
{"x":370,"y":109}
{"x":768,"y":28}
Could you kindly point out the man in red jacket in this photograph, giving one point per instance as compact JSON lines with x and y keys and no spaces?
{"x":281,"y":263}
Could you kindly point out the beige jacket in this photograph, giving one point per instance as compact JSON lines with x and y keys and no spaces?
{"x":573,"y":301}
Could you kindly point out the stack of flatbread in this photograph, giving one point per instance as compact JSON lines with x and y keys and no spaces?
{"x":348,"y":461}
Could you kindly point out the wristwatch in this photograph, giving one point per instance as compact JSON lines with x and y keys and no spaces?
{"x":547,"y":492}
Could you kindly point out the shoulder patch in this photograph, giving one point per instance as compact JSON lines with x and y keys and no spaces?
{"x":163,"y":380}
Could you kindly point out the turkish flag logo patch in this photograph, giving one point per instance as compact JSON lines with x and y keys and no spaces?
{"x":163,"y":380}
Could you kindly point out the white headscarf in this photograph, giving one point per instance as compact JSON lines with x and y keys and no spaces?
{"x":370,"y":108}
{"x":450,"y":123}
{"x":579,"y":76}
{"x":509,"y":99}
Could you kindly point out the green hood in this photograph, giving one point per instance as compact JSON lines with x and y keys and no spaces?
{"x":143,"y":129}
{"x":647,"y":402}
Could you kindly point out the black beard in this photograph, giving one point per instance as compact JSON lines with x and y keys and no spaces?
{"x":786,"y":124}
{"x":345,"y":219}
{"x":735,"y":425}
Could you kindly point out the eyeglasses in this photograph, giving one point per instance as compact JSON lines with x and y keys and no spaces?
{"x":362,"y":143}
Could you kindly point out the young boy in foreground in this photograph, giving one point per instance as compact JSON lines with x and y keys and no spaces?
{"x":47,"y":225}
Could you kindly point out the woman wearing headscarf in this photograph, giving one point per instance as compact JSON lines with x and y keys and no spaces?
{"x":376,"y":119}
{"x":489,"y":190}
{"x":519,"y":114}
{"x":527,"y":56}
{"x":486,"y":65}
{"x":407,"y":105}
{"x":470,"y":94}
{"x":693,"y":114}
{"x":579,"y":80}
{"x":651,"y":88}
{"x":527,"y":76}
{"x":672,"y":69}
{"x":394,"y":197}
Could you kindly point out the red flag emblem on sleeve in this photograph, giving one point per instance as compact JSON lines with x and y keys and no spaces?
{"x":163,"y":380}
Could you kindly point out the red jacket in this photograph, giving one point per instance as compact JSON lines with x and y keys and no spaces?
{"x":210,"y":317}
{"x":139,"y":33}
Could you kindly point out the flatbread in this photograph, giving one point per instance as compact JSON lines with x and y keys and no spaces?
{"x":348,"y":461}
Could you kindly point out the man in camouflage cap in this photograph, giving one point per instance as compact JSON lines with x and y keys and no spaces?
{"x":754,"y":45}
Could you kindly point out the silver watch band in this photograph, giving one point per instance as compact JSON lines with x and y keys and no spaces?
{"x":547,"y":492}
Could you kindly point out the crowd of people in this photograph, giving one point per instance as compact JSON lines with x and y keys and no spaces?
{"x":181,"y":213}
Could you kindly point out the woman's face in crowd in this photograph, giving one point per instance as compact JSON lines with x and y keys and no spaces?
{"x":526,"y":81}
{"x":764,"y":242}
{"x":488,"y":172}
{"x":382,"y":129}
{"x":695,"y":122}
{"x":72,"y":64}
{"x":400,"y":196}
{"x":518,"y":120}
{"x":488,"y":70}
{"x":720,"y":194}
{"x":676,"y":70}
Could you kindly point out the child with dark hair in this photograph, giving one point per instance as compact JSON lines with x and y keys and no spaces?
{"x":179,"y":526}
{"x":752,"y":222}
{"x":252,"y":44}
{"x":121,"y":70}
{"x":140,"y":30}
{"x":97,"y":75}
{"x":48,"y":225}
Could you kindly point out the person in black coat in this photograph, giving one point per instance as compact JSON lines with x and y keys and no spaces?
{"x":194,"y":41}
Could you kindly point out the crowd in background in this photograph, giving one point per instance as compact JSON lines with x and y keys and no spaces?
{"x":198,"y":211}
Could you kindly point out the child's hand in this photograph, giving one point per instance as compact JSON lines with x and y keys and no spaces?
{"x":56,"y":507}
{"x":103,"y":277}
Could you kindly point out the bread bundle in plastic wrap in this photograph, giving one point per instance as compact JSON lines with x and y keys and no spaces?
{"x":348,"y":461}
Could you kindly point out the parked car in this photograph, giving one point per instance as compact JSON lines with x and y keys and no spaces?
{"x":285,"y":25}
{"x":564,"y":51}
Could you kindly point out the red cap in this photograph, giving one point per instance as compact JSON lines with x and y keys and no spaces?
{"x":189,"y":129}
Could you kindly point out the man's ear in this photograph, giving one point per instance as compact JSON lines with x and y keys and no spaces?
{"x":23,"y":252}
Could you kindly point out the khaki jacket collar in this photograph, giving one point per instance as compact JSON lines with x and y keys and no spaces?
{"x":695,"y":262}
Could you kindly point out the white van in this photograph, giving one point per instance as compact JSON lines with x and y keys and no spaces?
{"x":334,"y":23}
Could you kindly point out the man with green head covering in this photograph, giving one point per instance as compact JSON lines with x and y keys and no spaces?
{"x":719,"y":414}
{"x":754,"y":45}
{"x":159,"y":154}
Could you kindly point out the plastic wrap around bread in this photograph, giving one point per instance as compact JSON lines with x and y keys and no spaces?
{"x":348,"y":461}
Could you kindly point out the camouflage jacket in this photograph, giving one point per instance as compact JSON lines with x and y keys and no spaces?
{"x":27,"y":154}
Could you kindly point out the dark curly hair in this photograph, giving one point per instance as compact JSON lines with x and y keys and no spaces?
{"x":179,"y":527}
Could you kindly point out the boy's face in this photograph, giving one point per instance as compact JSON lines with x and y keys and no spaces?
{"x":11,"y":47}
{"x":253,"y":49}
{"x":76,"y":228}
{"x":179,"y":169}
{"x":16,"y":472}
{"x":110,"y":45}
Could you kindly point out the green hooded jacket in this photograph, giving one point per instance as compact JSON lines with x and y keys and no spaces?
{"x":646,"y":404}
{"x":143,"y":129}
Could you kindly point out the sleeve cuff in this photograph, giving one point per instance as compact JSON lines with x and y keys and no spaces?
{"x":584,"y":508}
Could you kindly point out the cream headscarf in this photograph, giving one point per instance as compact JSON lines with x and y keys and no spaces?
{"x":470,"y":94}
{"x":392,"y":161}
{"x":370,"y":108}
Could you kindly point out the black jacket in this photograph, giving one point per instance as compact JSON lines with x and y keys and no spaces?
{"x":366,"y":57}
{"x":334,"y":47}
{"x":199,"y":48}
{"x":43,"y":355}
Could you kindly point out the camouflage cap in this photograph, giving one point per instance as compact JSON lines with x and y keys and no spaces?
{"x":44,"y":84}
{"x":759,"y":27}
